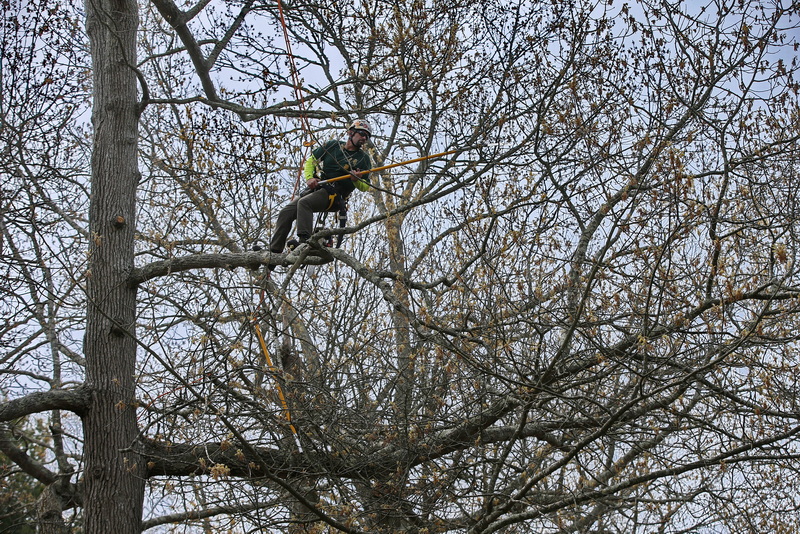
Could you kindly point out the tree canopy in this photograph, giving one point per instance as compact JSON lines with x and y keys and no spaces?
{"x":582,"y":318}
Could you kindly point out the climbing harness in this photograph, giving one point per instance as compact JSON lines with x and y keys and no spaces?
{"x":341,"y":216}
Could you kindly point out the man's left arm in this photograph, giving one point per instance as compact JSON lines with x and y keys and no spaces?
{"x":362,"y":184}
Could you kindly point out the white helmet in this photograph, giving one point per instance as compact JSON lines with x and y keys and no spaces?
{"x":359,"y":124}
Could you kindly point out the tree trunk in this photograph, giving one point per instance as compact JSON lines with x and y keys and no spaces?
{"x":49,"y":510}
{"x":114,"y":479}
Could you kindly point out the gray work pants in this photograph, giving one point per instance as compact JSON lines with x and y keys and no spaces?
{"x":301,"y":209}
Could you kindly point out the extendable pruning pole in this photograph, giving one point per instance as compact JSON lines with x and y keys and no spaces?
{"x":423,"y":158}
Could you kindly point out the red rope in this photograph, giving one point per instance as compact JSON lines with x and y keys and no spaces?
{"x":304,"y":124}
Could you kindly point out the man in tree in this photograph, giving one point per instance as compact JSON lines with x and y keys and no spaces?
{"x":334,"y":158}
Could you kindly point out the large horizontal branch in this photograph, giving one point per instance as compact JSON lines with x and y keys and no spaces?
{"x":75,"y":400}
{"x":205,"y":513}
{"x":285,"y":109}
{"x":208,"y":458}
{"x":215,"y":261}
{"x":248,"y":461}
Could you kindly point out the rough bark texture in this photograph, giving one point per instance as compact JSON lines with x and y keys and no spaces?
{"x":114,"y":479}
{"x":48,"y":512}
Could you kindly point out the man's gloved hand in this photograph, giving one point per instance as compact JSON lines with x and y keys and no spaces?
{"x":312,"y":183}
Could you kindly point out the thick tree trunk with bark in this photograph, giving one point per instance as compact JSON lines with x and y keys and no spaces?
{"x":114,"y":478}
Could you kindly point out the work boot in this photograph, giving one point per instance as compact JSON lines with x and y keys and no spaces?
{"x":294,"y":243}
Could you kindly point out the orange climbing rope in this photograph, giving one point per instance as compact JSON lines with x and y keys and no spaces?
{"x":306,"y":128}
{"x":295,"y":74}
